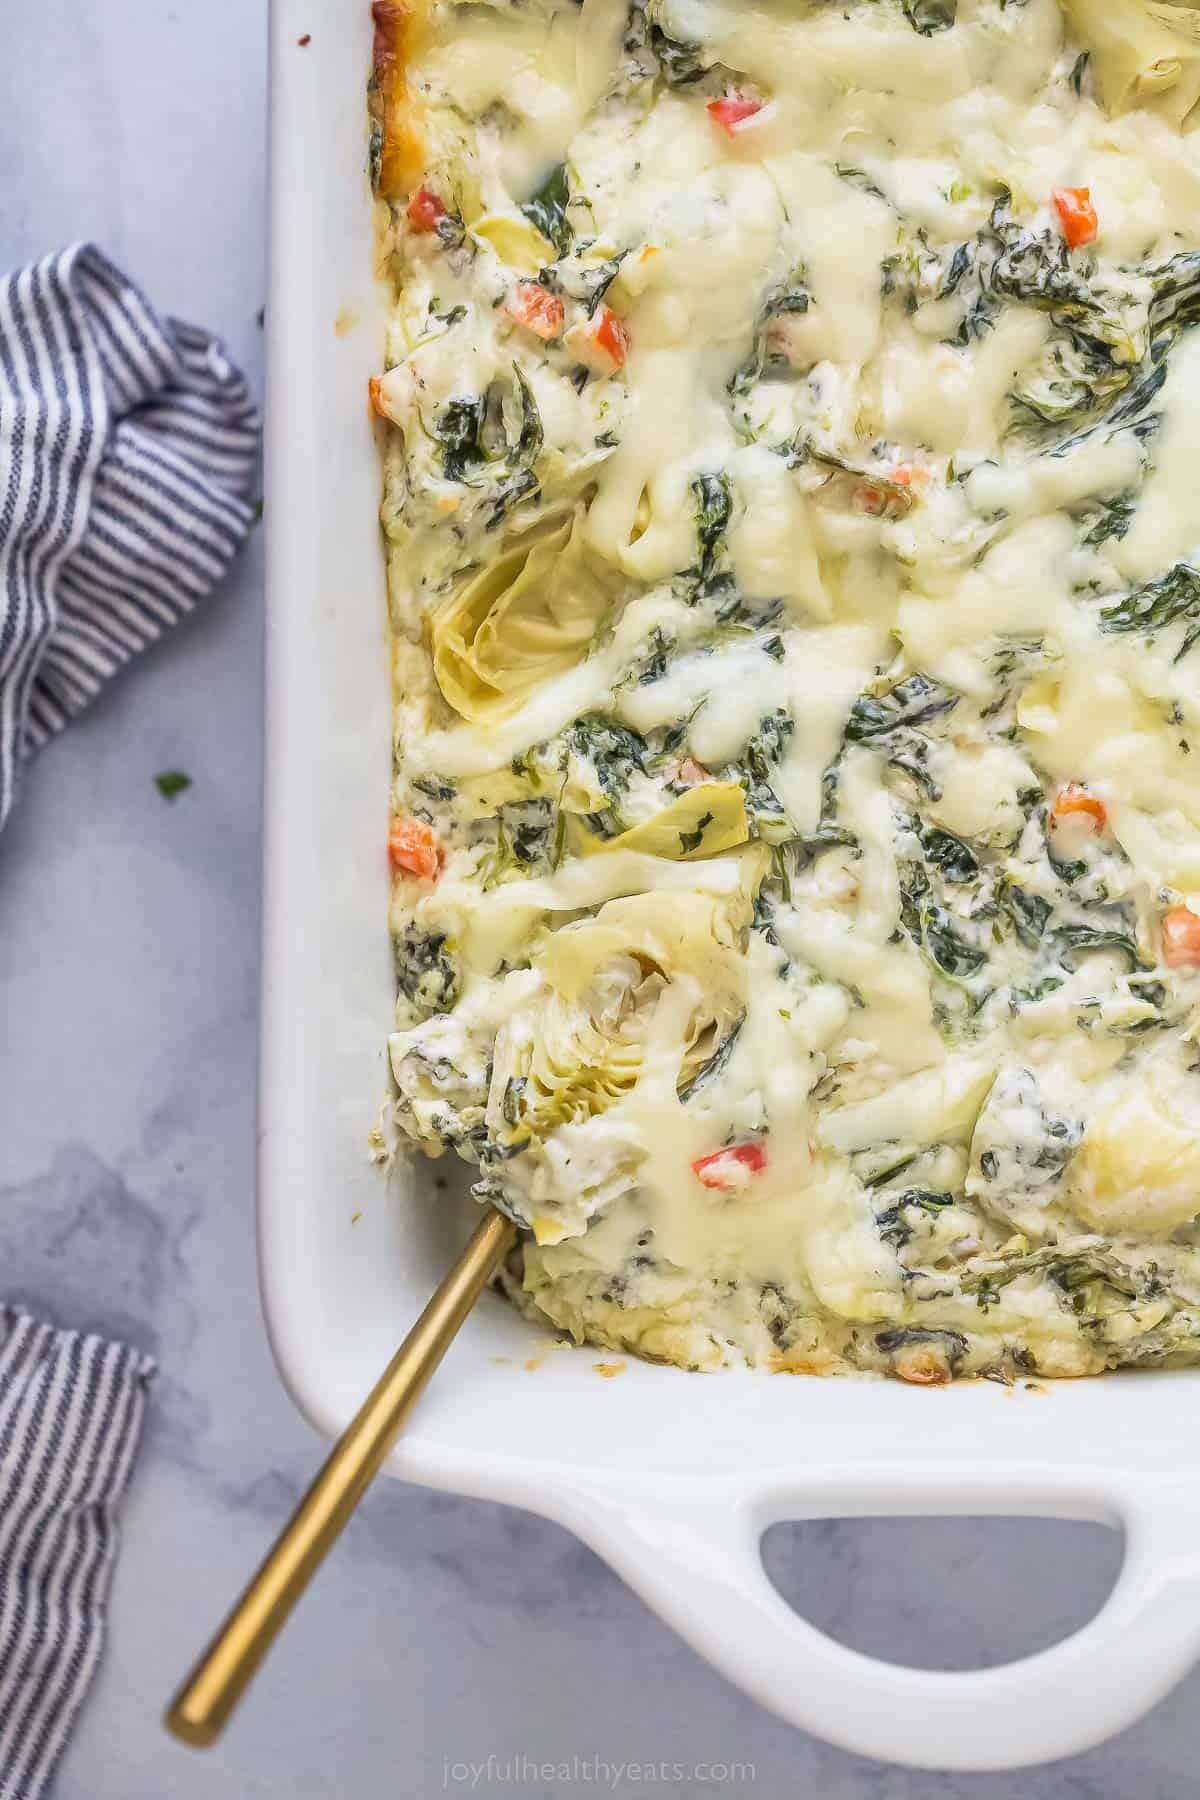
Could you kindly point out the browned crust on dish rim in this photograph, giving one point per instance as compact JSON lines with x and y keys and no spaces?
{"x":397,"y":151}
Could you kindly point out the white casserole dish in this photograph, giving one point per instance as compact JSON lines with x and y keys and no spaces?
{"x":672,"y":1477}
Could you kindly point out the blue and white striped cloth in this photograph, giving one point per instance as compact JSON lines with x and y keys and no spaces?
{"x":70,"y":1418}
{"x":128,"y":457}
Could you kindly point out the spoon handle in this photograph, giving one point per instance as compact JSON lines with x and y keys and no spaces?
{"x":213,"y":1688}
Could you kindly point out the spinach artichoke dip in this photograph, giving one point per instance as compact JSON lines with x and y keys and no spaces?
{"x":791,"y":422}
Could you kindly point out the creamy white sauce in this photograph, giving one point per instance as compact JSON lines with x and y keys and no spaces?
{"x":890,"y":500}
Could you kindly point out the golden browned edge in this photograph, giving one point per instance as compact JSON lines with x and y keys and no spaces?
{"x":399,"y":30}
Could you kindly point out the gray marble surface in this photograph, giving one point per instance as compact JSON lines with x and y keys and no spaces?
{"x":443,"y":1632}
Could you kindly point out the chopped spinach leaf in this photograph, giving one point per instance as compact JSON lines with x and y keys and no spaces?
{"x":547,"y":209}
{"x":895,"y":1227}
{"x":475,"y":441}
{"x":710,"y":1070}
{"x":928,"y":16}
{"x":1074,"y":941}
{"x":1152,"y":994}
{"x":451,"y":230}
{"x":510,"y":1105}
{"x":426,"y":974}
{"x":1169,"y":599}
{"x":889,"y":1170}
{"x":1028,"y":913}
{"x":790,"y":296}
{"x":714,"y":509}
{"x":826,"y":837}
{"x":1039,"y":990}
{"x":1114,"y":520}
{"x":914,"y":701}
{"x":1176,"y":291}
{"x":434,"y":787}
{"x":457,"y":430}
{"x":956,"y":860}
{"x":1078,"y":1272}
{"x":594,"y":283}
{"x":935,"y":930}
{"x":760,"y":756}
{"x":769,"y":742}
{"x":859,"y":178}
{"x":530,"y":435}
{"x":614,"y":751}
{"x":681,"y":61}
{"x":1036,"y":268}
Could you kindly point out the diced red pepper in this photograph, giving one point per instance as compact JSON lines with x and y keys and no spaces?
{"x":425,"y":211}
{"x":1076,"y":215}
{"x":413,"y":849}
{"x":1181,"y":938}
{"x":601,"y":344}
{"x":375,"y":395}
{"x":732,"y":111}
{"x":1074,"y":801}
{"x":537,"y":309}
{"x":687,"y":771}
{"x":729,"y":1168}
{"x":611,"y":336}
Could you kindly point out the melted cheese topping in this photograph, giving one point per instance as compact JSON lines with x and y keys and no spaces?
{"x":791,"y":417}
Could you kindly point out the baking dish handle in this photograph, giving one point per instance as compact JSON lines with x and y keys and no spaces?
{"x":694,"y":1554}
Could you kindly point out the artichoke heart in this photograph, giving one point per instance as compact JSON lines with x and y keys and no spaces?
{"x":529,"y":616}
{"x":581,"y":1045}
{"x":1143,"y":54}
{"x":706,"y":820}
{"x":515,"y":241}
{"x":534,"y":777}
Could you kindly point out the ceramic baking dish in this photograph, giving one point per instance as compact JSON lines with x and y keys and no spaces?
{"x":672,"y":1477}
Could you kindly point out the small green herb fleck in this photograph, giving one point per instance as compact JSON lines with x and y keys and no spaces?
{"x":172,"y":782}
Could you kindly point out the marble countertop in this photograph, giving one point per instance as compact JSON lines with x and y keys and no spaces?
{"x":443,"y":1632}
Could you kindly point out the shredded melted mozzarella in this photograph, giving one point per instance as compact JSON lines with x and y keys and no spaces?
{"x":791,"y":416}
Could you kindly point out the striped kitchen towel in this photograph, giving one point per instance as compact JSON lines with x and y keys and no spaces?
{"x":70,"y":1417}
{"x":128,"y":457}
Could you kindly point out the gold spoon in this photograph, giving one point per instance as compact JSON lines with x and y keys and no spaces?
{"x":212,"y":1690}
